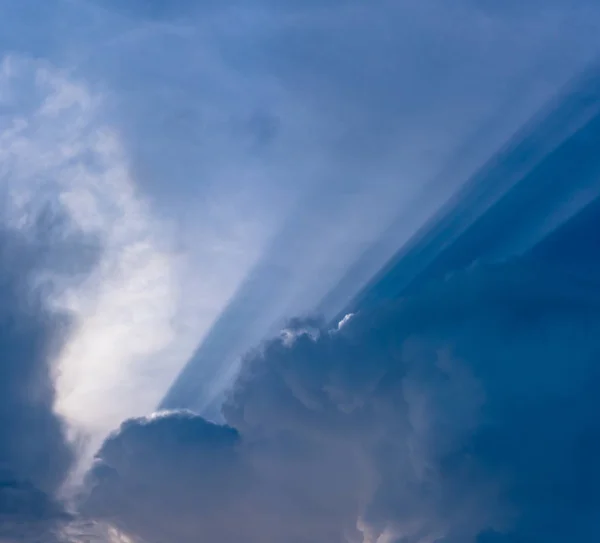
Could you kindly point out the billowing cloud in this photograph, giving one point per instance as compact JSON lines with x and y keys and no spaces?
{"x":465,"y":412}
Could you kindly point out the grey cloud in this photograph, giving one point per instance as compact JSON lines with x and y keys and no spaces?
{"x":465,"y":412}
{"x":28,"y":514}
{"x":138,"y":485}
{"x":35,"y":456}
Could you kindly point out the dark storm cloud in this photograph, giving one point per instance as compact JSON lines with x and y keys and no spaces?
{"x":465,"y":412}
{"x":34,"y":454}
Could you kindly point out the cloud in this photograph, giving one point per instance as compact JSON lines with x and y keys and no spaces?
{"x":31,"y":435}
{"x":35,"y":454}
{"x":27,"y":514}
{"x":58,"y":151}
{"x":464,"y":412}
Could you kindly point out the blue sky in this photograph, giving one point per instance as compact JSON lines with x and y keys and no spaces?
{"x":182,"y":180}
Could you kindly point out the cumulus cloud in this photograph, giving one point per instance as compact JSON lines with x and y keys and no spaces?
{"x":464,"y":412}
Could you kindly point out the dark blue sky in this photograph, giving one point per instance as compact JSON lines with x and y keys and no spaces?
{"x":539,"y":189}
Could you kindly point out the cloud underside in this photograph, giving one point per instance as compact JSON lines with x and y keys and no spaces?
{"x":465,"y":412}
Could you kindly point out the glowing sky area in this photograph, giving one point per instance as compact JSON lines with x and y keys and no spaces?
{"x":192,"y":175}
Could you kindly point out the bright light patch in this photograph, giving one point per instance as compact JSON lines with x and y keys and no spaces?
{"x":345,"y":321}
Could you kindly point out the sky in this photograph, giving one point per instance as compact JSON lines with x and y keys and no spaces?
{"x":299,"y":271}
